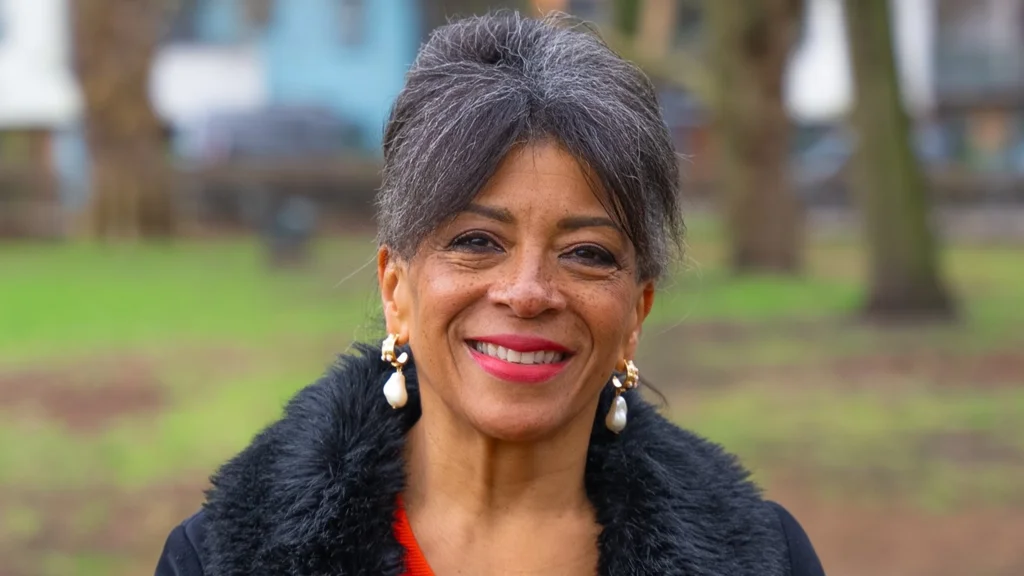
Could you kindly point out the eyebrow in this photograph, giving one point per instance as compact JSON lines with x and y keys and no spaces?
{"x":500,"y":214}
{"x":569,"y":223}
{"x":578,"y":222}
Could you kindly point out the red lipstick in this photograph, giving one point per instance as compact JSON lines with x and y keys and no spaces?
{"x":512,"y":371}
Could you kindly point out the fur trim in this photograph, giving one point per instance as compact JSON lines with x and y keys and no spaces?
{"x":315,"y":493}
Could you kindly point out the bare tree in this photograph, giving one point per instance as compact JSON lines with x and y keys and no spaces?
{"x":115,"y":42}
{"x":654,"y":26}
{"x":740,"y":83}
{"x":751,"y":43}
{"x":905,"y":275}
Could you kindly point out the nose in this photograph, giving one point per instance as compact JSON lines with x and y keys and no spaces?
{"x":527,"y":285}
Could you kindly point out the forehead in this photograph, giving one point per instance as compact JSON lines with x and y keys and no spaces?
{"x":543,"y":177}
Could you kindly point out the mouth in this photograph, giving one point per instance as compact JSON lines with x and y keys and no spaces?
{"x":519,"y":359}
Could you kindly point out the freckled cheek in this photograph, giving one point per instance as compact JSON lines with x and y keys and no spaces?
{"x":606,"y":312}
{"x":441,"y":297}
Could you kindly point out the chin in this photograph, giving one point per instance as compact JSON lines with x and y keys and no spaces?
{"x":516,"y":423}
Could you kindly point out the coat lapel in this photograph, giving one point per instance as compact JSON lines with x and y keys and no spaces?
{"x":315,"y":493}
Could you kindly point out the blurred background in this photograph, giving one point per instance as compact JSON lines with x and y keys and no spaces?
{"x":186,"y":239}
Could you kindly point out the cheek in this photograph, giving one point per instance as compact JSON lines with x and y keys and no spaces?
{"x":608,"y":312}
{"x":439,"y":295}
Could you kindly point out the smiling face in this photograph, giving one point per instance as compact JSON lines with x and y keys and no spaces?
{"x":519,"y":308}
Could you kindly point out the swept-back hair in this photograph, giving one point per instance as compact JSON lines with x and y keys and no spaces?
{"x":484,"y":85}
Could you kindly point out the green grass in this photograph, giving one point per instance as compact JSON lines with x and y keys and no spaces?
{"x":87,"y":564}
{"x":60,"y":299}
{"x":716,"y":296}
{"x":851,"y":422}
{"x":62,"y":306}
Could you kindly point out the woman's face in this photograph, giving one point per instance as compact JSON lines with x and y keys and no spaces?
{"x":518,"y":310}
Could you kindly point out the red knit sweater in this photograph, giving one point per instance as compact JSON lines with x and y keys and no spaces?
{"x":415,"y":563}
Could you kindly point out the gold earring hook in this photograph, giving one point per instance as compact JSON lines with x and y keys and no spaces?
{"x":387,"y":352}
{"x":632,"y":378}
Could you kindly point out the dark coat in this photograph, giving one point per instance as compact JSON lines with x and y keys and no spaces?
{"x":315,"y":494}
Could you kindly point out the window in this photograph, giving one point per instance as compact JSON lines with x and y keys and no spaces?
{"x":978,"y":47}
{"x":352,"y":15}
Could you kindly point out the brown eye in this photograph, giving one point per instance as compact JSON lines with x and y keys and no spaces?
{"x":475,"y":242}
{"x":593,"y":256}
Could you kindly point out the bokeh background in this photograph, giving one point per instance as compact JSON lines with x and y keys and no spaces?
{"x":186,"y":239}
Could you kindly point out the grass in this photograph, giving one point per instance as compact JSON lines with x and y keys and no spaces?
{"x":773,"y":398}
{"x":83,"y":298}
{"x":81,"y":565}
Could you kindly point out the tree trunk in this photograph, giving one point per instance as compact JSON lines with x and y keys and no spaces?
{"x":115,"y":41}
{"x":656,"y":28}
{"x":905,"y":277}
{"x":29,"y":205}
{"x":750,"y":48}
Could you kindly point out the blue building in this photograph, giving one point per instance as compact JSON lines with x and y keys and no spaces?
{"x":347,"y":56}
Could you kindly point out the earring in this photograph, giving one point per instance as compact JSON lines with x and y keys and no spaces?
{"x":394,"y":388}
{"x":617,"y":415}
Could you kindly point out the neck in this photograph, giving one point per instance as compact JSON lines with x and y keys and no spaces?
{"x":452,"y":466}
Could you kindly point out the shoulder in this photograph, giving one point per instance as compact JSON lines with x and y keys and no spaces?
{"x":286,"y":496}
{"x":698,"y":509}
{"x":803,"y":560}
{"x":182,"y":555}
{"x":699,"y":485}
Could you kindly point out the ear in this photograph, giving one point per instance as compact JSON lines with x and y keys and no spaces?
{"x":393,"y":279}
{"x":644,"y":303}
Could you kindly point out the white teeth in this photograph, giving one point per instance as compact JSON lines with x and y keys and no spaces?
{"x":517,"y":357}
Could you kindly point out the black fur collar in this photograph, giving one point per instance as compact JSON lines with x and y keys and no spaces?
{"x":315,"y":493}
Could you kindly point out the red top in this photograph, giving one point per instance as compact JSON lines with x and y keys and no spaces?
{"x":415,"y":563}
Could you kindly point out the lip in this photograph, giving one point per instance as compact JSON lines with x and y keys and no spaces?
{"x":519,"y":373}
{"x":522,"y":343}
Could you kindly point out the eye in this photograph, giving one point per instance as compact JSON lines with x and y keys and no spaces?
{"x":593,"y":256}
{"x":475,"y":242}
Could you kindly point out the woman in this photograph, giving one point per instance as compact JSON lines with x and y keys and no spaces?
{"x":529,"y":205}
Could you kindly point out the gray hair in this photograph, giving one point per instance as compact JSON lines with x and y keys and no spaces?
{"x":484,"y":85}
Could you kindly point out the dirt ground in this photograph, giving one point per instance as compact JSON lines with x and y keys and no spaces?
{"x":892,"y":538}
{"x":83,"y":398}
{"x":863,"y":521}
{"x":884,"y":535}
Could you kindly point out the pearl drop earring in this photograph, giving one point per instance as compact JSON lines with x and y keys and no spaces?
{"x":394,"y":388}
{"x":618,"y":414}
